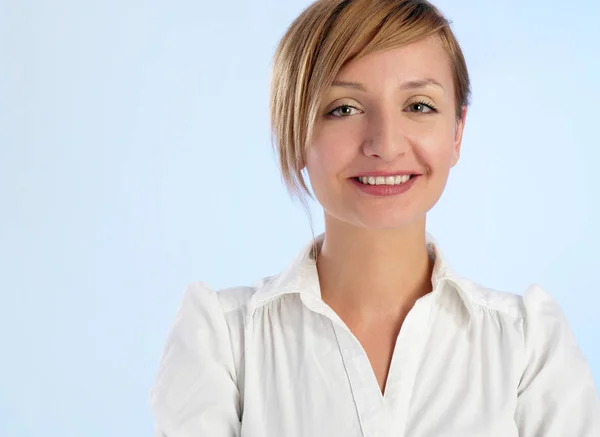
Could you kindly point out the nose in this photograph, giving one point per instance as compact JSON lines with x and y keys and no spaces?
{"x":385,"y":137}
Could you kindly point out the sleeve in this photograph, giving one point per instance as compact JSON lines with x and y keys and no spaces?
{"x":556,"y":395}
{"x":195,"y":392}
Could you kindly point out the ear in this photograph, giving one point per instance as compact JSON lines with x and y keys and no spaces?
{"x":458,"y":134}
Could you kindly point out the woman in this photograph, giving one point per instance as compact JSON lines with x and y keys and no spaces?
{"x":369,"y":332}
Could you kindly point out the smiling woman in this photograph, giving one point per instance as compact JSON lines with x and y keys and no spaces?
{"x":369,"y":332}
{"x":401,"y":124}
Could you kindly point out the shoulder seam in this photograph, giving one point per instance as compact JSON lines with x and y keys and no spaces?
{"x":226,"y":303}
{"x":498,"y":309}
{"x":485,"y":305}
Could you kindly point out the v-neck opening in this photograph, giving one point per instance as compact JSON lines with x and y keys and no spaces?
{"x":383,"y":413}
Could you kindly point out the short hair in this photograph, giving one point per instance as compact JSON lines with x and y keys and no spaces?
{"x":320,"y":42}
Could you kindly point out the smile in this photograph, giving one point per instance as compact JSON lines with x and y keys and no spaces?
{"x":383,"y":180}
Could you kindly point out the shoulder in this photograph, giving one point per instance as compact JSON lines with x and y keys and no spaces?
{"x":196,"y":389}
{"x":537,"y":317}
{"x":490,"y":299}
{"x":208,"y":323}
{"x":534,"y":301}
{"x":201,"y":369}
{"x":200,"y":294}
{"x":533,"y":319}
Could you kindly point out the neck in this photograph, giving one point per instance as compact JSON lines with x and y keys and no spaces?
{"x":366,"y":273}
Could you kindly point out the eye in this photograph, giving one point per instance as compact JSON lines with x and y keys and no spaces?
{"x":343,"y":111}
{"x":422,"y":107}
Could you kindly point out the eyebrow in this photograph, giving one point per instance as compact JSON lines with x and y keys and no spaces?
{"x":410,"y":85}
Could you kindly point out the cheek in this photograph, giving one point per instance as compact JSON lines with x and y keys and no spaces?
{"x":332,"y":151}
{"x":435,"y":148}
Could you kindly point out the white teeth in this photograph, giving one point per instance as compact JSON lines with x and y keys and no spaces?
{"x":380,"y":180}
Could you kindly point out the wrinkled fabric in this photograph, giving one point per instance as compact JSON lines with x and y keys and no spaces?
{"x":274,"y":360}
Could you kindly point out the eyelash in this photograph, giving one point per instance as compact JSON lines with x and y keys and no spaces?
{"x":420,"y":102}
{"x":330,"y":113}
{"x":424,"y":103}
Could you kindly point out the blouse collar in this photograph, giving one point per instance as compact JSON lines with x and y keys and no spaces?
{"x":301,"y":277}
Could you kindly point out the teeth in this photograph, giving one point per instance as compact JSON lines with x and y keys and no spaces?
{"x":380,"y":180}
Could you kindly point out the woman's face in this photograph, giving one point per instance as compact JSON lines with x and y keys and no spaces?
{"x":388,"y":116}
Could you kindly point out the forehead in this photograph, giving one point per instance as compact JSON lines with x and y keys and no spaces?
{"x":423,"y":58}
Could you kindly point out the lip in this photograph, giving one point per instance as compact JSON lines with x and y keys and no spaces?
{"x":387,"y":173}
{"x":385,"y":190}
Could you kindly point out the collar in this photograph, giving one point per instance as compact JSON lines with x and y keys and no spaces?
{"x":301,"y":277}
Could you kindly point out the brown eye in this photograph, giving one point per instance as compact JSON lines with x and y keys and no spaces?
{"x":343,"y":111}
{"x":421,"y":107}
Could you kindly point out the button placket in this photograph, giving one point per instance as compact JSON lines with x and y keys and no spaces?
{"x":404,"y":366}
{"x":369,"y":403}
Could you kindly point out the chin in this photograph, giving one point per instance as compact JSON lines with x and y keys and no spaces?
{"x":388,"y":222}
{"x":381,"y":214}
{"x":389,"y":225}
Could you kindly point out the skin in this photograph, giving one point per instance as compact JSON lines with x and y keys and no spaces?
{"x":374,"y":265}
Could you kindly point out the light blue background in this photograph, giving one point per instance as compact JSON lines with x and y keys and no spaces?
{"x":135,"y":157}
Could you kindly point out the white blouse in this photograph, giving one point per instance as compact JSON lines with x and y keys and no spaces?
{"x":274,"y":360}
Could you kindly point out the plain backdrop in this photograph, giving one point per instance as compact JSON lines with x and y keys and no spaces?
{"x":135,"y":157}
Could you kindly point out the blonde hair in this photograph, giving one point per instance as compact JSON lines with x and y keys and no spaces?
{"x":320,"y":42}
